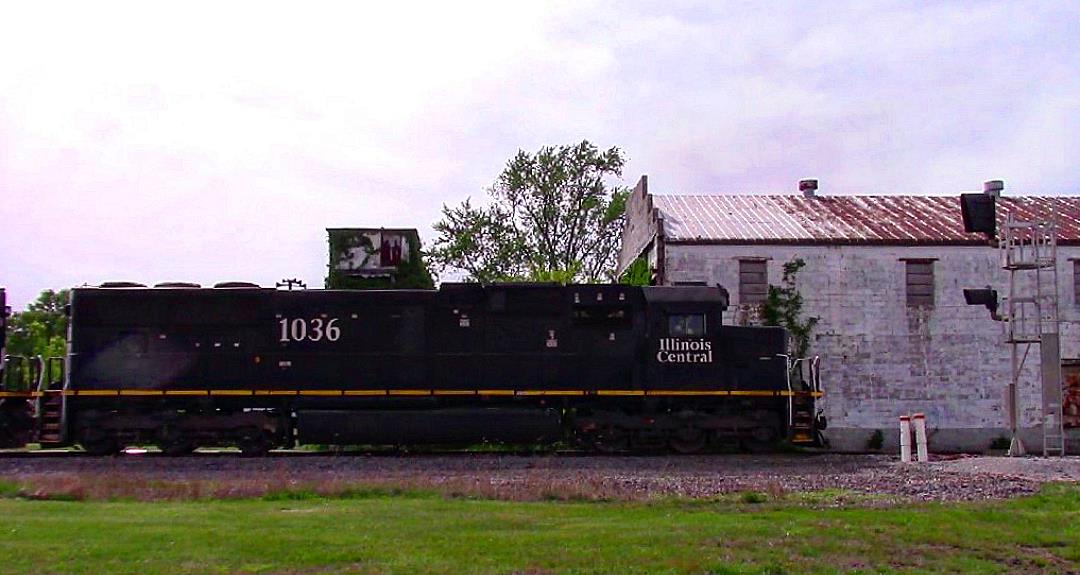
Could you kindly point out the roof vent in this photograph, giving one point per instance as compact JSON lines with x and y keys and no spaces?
{"x":236,"y":285}
{"x":808,"y":187}
{"x":993,"y":188}
{"x":176,"y":285}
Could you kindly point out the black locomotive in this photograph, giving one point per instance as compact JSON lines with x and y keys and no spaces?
{"x":611,"y":367}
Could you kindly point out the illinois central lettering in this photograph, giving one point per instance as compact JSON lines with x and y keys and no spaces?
{"x":673,"y":350}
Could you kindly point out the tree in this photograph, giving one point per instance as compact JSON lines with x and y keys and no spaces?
{"x":42,"y":328}
{"x":783,"y":307}
{"x":552,"y":215}
{"x":638,"y":273}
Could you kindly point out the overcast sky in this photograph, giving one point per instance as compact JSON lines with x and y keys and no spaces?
{"x":216,"y":141}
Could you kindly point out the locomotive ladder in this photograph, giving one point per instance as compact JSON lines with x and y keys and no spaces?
{"x":801,"y":408}
{"x":51,"y":403}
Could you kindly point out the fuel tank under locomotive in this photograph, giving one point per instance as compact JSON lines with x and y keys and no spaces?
{"x":451,"y":426}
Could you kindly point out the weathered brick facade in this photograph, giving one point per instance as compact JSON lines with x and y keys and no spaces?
{"x":881,"y":356}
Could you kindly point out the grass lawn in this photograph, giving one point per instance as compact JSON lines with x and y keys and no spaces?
{"x":422,"y":533}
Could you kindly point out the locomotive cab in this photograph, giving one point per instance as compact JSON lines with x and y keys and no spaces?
{"x":722,"y":380}
{"x":682,"y":339}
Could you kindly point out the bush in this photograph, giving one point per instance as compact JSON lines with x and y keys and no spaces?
{"x":753,"y":497}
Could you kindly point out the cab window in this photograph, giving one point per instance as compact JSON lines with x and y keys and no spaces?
{"x":686,"y":325}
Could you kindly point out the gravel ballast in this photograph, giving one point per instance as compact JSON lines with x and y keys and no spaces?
{"x":517,"y":477}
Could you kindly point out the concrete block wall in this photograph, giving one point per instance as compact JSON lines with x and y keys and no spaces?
{"x":882,"y":358}
{"x":642,"y":227}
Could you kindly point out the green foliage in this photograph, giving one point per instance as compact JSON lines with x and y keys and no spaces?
{"x":784,"y":307}
{"x":559,"y":276}
{"x":42,"y":328}
{"x":342,"y":242}
{"x":10,"y":489}
{"x":552,"y":214}
{"x":638,"y":273}
{"x":753,"y":497}
{"x":411,"y":274}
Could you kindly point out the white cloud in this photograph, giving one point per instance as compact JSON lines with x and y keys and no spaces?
{"x":214,"y":141}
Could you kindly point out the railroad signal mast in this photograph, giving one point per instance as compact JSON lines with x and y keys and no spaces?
{"x":1029,"y":253}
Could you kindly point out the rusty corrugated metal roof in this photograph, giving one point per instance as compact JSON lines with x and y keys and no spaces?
{"x":796,"y":219}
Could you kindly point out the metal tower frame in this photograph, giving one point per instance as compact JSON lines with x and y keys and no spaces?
{"x":1029,"y":254}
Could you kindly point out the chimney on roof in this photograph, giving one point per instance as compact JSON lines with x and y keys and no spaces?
{"x":808,"y":188}
{"x":993,"y":188}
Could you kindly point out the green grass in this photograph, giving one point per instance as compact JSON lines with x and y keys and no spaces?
{"x":373,"y":532}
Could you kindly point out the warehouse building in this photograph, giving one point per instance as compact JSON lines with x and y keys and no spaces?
{"x":885,"y":276}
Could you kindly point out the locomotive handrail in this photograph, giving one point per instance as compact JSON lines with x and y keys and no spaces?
{"x":35,"y":375}
{"x":788,"y":367}
{"x":46,"y":381}
{"x":20,"y":373}
{"x":814,"y":379}
{"x":41,"y":376}
{"x":12,"y":368}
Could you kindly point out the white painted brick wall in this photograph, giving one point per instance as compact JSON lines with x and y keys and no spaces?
{"x":882,"y":358}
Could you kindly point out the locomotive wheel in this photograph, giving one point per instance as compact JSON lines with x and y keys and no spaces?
{"x":174,"y":442}
{"x":175,"y":446}
{"x":254,"y":442}
{"x":649,"y":441}
{"x":611,"y":439}
{"x":100,"y":446}
{"x":761,"y":440}
{"x":688,"y":440}
{"x":16,"y":425}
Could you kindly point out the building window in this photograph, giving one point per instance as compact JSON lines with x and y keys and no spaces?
{"x":1076,"y":282}
{"x":686,"y":325}
{"x":753,"y":280}
{"x":920,"y":282}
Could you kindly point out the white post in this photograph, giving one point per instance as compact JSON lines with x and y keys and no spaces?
{"x":905,"y":439}
{"x":919,"y":422}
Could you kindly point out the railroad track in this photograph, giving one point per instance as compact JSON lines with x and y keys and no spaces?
{"x":300,"y":453}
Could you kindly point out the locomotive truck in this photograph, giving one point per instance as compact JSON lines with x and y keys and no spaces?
{"x":607,"y":367}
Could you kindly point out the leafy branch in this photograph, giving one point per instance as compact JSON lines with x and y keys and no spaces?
{"x":638,"y":273}
{"x":42,"y":328}
{"x":552,"y":215}
{"x":784,"y":307}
